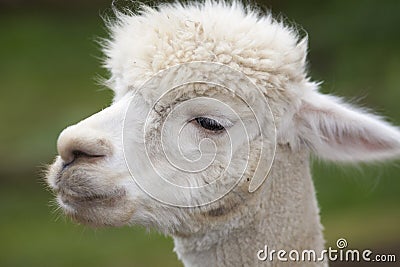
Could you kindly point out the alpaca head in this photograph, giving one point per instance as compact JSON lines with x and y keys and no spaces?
{"x":205,"y":96}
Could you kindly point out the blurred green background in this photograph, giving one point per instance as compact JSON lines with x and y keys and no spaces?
{"x":49,"y":63}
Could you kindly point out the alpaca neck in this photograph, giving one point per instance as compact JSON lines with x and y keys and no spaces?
{"x":287,"y":218}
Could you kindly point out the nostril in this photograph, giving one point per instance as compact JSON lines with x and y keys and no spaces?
{"x":77,"y":154}
{"x":81,"y":154}
{"x":82,"y":143}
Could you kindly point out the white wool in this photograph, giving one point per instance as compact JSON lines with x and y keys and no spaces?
{"x":261,"y":47}
{"x":95,"y":186}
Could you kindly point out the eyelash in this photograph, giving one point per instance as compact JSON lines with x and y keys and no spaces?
{"x":209,"y":124}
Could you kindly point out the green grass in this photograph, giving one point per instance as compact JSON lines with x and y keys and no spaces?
{"x":48,"y":66}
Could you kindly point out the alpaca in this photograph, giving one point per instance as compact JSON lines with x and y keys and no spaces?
{"x":209,"y":136}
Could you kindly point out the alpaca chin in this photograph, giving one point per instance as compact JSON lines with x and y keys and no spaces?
{"x":113,"y":212}
{"x":87,"y":198}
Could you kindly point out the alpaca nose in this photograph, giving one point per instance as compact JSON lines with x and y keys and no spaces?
{"x":86,"y":144}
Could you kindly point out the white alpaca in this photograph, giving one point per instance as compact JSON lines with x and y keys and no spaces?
{"x":95,"y":186}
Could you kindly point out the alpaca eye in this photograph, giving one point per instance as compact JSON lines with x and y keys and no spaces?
{"x":209,"y":124}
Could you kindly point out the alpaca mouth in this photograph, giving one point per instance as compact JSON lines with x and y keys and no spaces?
{"x":96,"y":209}
{"x":76,"y":199}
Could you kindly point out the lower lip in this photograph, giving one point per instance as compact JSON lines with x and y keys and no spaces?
{"x":67,"y":198}
{"x":93,"y":199}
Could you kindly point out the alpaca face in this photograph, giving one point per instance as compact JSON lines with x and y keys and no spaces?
{"x":197,"y":146}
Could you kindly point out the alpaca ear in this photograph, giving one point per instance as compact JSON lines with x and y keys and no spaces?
{"x":337,"y":131}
